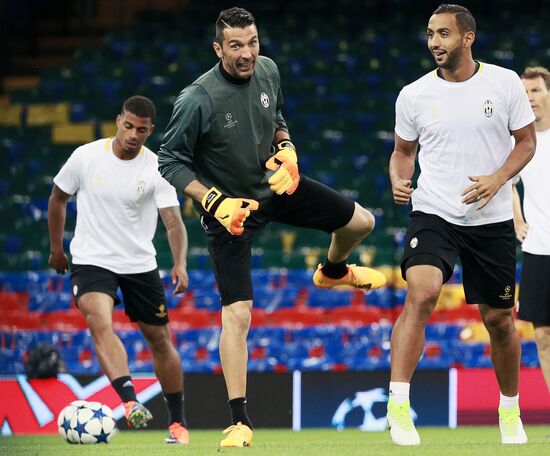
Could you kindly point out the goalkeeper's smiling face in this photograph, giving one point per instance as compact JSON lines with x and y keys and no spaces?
{"x":239,"y":50}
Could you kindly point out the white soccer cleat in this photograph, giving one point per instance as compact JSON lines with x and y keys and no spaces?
{"x":511,"y":427}
{"x":401,"y":425}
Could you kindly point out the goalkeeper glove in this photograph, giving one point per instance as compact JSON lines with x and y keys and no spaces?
{"x":230,"y":212}
{"x":285,"y":164}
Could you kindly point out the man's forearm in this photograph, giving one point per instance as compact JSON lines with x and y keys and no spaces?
{"x":518,"y":158}
{"x":195,"y":190}
{"x":401,"y":166}
{"x":177,"y":240}
{"x":516,"y":204}
{"x":57,"y":213}
{"x":280,"y":135}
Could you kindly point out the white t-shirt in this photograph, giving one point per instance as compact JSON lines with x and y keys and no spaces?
{"x":117,"y":202}
{"x":536,"y":204}
{"x":463,"y":129}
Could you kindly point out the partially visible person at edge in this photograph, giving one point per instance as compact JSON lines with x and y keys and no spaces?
{"x":227,"y":146}
{"x":534,"y":235}
{"x":120,"y":193}
{"x":461,"y":114}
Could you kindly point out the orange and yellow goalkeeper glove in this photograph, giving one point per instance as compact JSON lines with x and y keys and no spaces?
{"x":230,"y":212}
{"x":285,"y":164}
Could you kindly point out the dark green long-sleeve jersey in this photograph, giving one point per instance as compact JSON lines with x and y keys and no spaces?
{"x":221,"y":133}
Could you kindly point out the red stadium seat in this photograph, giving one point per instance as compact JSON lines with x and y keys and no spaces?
{"x":13,"y":320}
{"x":355,"y":316}
{"x":295,"y":317}
{"x":63,"y":320}
{"x":189,"y":318}
{"x":259,"y":318}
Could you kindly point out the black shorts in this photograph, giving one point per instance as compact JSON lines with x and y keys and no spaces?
{"x":534,"y":290}
{"x":312,"y":205}
{"x":487,"y":253}
{"x":143,"y":293}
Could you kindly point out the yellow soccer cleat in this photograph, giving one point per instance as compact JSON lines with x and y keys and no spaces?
{"x":400,"y":424}
{"x":357,"y":277}
{"x":238,"y":436}
{"x":511,"y":427}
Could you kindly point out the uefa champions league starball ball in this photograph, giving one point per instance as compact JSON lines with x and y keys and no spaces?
{"x":91,"y":422}
{"x":64,"y":419}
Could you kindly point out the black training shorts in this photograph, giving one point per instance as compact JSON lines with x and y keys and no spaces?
{"x":143,"y":293}
{"x":312,"y":205}
{"x":534,"y":289}
{"x":487,"y":253}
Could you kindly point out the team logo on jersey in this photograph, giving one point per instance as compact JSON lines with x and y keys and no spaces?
{"x":230,"y":122}
{"x":488,"y":108}
{"x":414,"y":243}
{"x":141,"y":187}
{"x":264,"y":99}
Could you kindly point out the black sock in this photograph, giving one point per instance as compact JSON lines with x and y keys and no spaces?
{"x":238,"y":411}
{"x":124,"y":388}
{"x":176,"y":408}
{"x":335,"y":270}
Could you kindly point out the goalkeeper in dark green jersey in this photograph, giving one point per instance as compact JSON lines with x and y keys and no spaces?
{"x":227,"y":147}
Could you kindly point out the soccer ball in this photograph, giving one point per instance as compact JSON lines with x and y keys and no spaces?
{"x":64,"y":419}
{"x":92,"y":423}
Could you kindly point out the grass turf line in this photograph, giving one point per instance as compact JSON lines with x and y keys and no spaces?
{"x":463,"y":441}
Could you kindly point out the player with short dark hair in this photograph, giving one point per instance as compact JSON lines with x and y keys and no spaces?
{"x":227,"y":146}
{"x":120,"y":193}
{"x":464,"y":19}
{"x":534,"y":290}
{"x":140,"y":106}
{"x":461,"y":115}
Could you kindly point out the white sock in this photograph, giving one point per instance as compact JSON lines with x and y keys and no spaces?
{"x":507,"y":402}
{"x":399,"y":391}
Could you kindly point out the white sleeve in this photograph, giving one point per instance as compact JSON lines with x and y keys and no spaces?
{"x":165,"y":194}
{"x":404,"y":117}
{"x":68,"y":177}
{"x":521,"y":113}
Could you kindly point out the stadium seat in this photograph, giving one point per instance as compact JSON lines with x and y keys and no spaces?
{"x":11,"y":115}
{"x":40,"y":114}
{"x":73,"y":133}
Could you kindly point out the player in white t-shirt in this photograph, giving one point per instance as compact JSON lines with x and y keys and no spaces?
{"x":534,"y":291}
{"x":461,"y":115}
{"x":119,"y":194}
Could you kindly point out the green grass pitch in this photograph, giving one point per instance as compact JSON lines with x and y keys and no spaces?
{"x":464,"y":441}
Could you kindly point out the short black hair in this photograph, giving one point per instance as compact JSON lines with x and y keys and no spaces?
{"x":464,"y":19}
{"x":140,"y":106}
{"x":233,"y":17}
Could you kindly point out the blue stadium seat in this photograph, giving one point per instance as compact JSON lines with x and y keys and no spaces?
{"x":13,"y":244}
{"x":529,"y":354}
{"x":201,"y":279}
{"x":443,"y":331}
{"x":207,"y":299}
{"x":328,"y":299}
